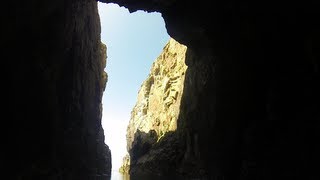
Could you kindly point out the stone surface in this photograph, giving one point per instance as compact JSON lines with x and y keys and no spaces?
{"x":249,"y":108}
{"x":55,"y":80}
{"x":125,"y":167}
{"x":158,"y":101}
{"x":158,"y":105}
{"x":250,"y":104}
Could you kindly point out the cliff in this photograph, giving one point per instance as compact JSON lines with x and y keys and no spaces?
{"x":249,"y":108}
{"x":56,"y":79}
{"x":158,"y":106}
{"x":250,"y":102}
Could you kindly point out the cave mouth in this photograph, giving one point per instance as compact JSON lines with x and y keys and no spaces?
{"x":133,"y":41}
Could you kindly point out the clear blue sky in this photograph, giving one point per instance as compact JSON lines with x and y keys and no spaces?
{"x":134,"y":41}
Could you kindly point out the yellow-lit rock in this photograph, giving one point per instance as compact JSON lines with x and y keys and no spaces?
{"x":158,"y":101}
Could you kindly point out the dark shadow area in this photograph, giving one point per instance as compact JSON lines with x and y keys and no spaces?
{"x":53,"y":79}
{"x":151,"y":158}
{"x":247,"y":116}
{"x":250,"y":106}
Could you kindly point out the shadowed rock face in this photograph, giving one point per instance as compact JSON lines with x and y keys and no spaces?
{"x":251,"y":111}
{"x":54,"y":80}
{"x":250,"y":107}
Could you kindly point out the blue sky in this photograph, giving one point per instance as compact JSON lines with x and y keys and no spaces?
{"x":134,"y":41}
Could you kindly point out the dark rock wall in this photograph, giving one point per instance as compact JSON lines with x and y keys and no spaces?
{"x":250,"y":108}
{"x":253,"y":115}
{"x":54,"y":79}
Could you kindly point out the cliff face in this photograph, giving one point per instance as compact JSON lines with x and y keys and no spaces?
{"x":158,"y":106}
{"x":164,"y":135}
{"x":249,"y":108}
{"x":56,"y":78}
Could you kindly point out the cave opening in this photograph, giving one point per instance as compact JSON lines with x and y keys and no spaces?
{"x":251,"y":99}
{"x":133,"y":41}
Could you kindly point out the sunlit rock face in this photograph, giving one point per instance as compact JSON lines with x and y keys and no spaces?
{"x":159,"y":97}
{"x":125,"y":166}
{"x":157,"y":109}
{"x":250,"y":104}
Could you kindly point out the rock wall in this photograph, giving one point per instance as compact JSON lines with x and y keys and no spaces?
{"x":250,"y":107}
{"x":54,"y":76}
{"x":155,"y":114}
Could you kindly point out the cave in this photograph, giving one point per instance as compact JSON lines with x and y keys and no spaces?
{"x":252,"y":99}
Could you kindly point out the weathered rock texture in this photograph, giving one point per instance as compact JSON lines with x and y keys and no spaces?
{"x":158,"y":102}
{"x":250,"y":105}
{"x":157,"y":109}
{"x":54,"y":83}
{"x":249,"y":108}
{"x":125,"y":167}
